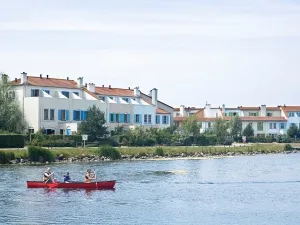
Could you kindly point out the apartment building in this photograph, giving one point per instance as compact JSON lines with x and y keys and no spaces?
{"x":59,"y":105}
{"x":264,"y":120}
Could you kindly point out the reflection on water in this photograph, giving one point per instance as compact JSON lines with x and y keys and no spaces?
{"x":238,"y":190}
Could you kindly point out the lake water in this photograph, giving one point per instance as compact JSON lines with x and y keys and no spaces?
{"x":241,"y":190}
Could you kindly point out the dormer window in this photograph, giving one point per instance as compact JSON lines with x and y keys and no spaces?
{"x":35,"y":92}
{"x":66,"y":94}
{"x":47,"y":91}
{"x":76,"y":93}
{"x":126,"y":99}
{"x":102,"y":98}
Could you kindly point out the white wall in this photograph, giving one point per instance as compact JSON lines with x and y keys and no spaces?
{"x":31,"y":113}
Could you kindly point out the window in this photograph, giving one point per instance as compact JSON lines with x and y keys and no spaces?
{"x":66,"y":93}
{"x":232,"y":113}
{"x":76,"y":93}
{"x":270,"y":125}
{"x":46,"y":114}
{"x":282,"y":126}
{"x":137,"y":118}
{"x":61,"y":131}
{"x":12,"y":95}
{"x":145,"y":118}
{"x":200,"y":125}
{"x":102,"y":98}
{"x":165,"y":119}
{"x":117,"y":117}
{"x":292,"y":124}
{"x":51,"y":114}
{"x":112,"y":117}
{"x":112,"y":98}
{"x":177,"y":114}
{"x":35,"y":92}
{"x":209,"y":125}
{"x":47,"y":91}
{"x":157,"y":119}
{"x":63,"y":114}
{"x":126,"y":99}
{"x":126,"y":118}
{"x":269,"y":114}
{"x":149,"y":119}
{"x":274,"y":125}
{"x":291,"y":114}
{"x":217,"y":114}
{"x":298,"y":114}
{"x":76,"y":115}
{"x":253,"y":113}
{"x":260,"y":126}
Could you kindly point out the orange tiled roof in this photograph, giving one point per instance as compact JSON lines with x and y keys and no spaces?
{"x":161,"y":111}
{"x":114,"y":91}
{"x":188,"y":108}
{"x":179,"y":118}
{"x":47,"y":82}
{"x":263,"y":118}
{"x":248,"y":108}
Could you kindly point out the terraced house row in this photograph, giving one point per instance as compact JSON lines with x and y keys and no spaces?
{"x":59,"y":105}
{"x":263,"y":119}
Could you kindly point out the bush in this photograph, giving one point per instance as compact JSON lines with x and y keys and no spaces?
{"x":228,"y":141}
{"x":38,"y":154}
{"x":11,"y":141}
{"x":159,"y":152}
{"x":288,"y":147}
{"x":5,"y":157}
{"x":110,"y":152}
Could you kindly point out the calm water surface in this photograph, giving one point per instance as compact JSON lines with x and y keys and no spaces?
{"x":240,"y":190}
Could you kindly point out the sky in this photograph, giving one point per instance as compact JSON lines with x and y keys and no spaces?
{"x":229,"y":52}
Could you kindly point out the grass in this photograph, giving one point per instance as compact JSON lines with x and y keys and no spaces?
{"x":169,"y":150}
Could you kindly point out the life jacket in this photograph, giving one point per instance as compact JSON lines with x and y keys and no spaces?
{"x":87,"y":177}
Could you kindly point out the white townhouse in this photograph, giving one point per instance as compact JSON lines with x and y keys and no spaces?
{"x":136,"y":109}
{"x":59,"y":105}
{"x":264,"y":120}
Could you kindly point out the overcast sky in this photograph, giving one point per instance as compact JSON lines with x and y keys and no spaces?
{"x":237,"y":52}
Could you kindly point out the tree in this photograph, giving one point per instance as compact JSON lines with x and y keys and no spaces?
{"x":94,"y":124}
{"x":190,"y":126}
{"x":220,"y":129}
{"x":293,"y":131}
{"x":248,"y":131}
{"x":235,"y":126}
{"x":11,"y":116}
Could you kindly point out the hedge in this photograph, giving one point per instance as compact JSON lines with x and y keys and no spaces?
{"x":38,"y":154}
{"x":11,"y":141}
{"x":110,"y":152}
{"x":6,"y":157}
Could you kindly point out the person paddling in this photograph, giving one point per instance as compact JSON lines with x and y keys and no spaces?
{"x":67,"y":178}
{"x":47,"y":178}
{"x":89,"y":176}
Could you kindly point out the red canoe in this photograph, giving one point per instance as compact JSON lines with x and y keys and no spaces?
{"x":95,"y":185}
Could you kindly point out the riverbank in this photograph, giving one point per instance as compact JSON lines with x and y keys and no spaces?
{"x":70,"y":155}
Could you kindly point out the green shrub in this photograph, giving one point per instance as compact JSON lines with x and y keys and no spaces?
{"x":159,"y":152}
{"x":110,"y":152}
{"x":38,"y":154}
{"x":11,"y":141}
{"x":5,"y":157}
{"x":288,"y":147}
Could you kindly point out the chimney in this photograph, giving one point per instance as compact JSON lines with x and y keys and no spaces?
{"x":41,"y":75}
{"x":181,"y":110}
{"x":223,"y":109}
{"x":207,"y":111}
{"x":23,"y":78}
{"x":80,"y":82}
{"x":263,"y":110}
{"x":109,"y":86}
{"x":91,"y":87}
{"x":47,"y":76}
{"x":16,"y":80}
{"x":154,"y":96}
{"x":128,"y":88}
{"x":67,"y":78}
{"x":137,"y":92}
{"x":102,"y":85}
{"x":85,"y":85}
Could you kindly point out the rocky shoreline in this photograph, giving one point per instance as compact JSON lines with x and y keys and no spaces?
{"x":95,"y":158}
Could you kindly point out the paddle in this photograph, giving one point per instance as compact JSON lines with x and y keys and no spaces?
{"x":54,"y":184}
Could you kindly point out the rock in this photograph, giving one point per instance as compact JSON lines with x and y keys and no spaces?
{"x":102,"y":158}
{"x":85,"y":159}
{"x":70,"y":159}
{"x":183,"y":155}
{"x":60,"y":157}
{"x":13,"y":161}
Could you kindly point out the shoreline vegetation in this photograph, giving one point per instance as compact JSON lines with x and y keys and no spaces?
{"x":38,"y":155}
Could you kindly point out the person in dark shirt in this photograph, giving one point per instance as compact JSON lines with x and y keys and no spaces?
{"x":67,"y":178}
